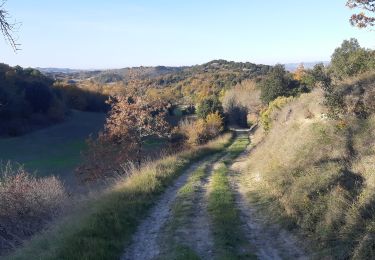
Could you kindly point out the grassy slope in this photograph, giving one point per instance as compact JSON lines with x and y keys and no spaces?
{"x":316,"y":176}
{"x":53,"y":150}
{"x":104,"y":226}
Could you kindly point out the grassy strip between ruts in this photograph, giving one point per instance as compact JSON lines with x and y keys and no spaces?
{"x":104,"y":226}
{"x":234,"y":150}
{"x":230,"y":242}
{"x":182,"y":211}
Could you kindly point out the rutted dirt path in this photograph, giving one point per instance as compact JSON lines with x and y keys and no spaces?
{"x":194,"y":230}
{"x":147,"y":240}
{"x":270,"y":240}
{"x":197,"y":234}
{"x":190,"y":228}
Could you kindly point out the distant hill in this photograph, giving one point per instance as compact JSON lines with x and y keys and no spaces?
{"x":185,"y":85}
{"x":140,"y":73}
{"x":143,"y":73}
{"x":191,"y":84}
{"x":110,"y":75}
{"x":58,"y":70}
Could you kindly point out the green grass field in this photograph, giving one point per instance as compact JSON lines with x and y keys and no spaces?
{"x":53,"y":150}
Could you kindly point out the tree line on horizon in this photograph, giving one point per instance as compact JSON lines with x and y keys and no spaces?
{"x":29,"y":100}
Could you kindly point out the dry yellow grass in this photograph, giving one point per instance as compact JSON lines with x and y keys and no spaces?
{"x":316,"y":175}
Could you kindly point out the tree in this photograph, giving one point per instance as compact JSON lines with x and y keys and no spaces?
{"x":275,"y":84}
{"x":7,"y":28}
{"x":351,"y":59}
{"x":299,"y":73}
{"x":196,"y":132}
{"x":193,"y":132}
{"x":364,"y":18}
{"x":242,"y":101}
{"x":316,"y":77}
{"x":214,"y":124}
{"x":208,"y":106}
{"x":27,"y":99}
{"x":132,"y":119}
{"x":279,"y":83}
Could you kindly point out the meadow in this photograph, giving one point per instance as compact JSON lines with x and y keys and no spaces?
{"x":55,"y":150}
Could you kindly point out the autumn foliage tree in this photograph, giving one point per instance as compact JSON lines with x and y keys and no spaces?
{"x":130,"y":121}
{"x":214,"y":124}
{"x":242,"y":104}
{"x":299,"y":73}
{"x":197,"y":132}
{"x":364,"y":18}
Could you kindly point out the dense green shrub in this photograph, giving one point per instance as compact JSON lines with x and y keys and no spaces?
{"x":354,"y":97}
{"x":208,"y":106}
{"x":279,"y":83}
{"x":351,"y":59}
{"x":318,"y":76}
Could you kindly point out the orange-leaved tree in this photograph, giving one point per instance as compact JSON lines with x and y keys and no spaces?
{"x":130,"y":121}
{"x":299,"y":73}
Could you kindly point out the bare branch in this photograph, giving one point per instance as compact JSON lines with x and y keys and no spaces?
{"x":8,"y":28}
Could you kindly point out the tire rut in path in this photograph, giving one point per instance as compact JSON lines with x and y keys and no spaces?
{"x":194,"y":230}
{"x":201,"y":233}
{"x":145,"y":243}
{"x":270,"y":241}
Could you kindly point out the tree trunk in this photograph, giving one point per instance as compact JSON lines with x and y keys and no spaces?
{"x":139,"y":154}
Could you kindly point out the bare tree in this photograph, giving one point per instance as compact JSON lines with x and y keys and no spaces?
{"x":8,"y":28}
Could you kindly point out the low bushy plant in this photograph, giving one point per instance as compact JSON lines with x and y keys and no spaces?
{"x":195,"y":132}
{"x":201,"y":130}
{"x":267,"y":113}
{"x":214,"y":124}
{"x":27,"y":203}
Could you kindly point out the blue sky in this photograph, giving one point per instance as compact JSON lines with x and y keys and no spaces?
{"x":118,"y":33}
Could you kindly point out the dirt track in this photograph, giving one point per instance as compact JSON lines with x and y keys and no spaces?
{"x":269,"y":241}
